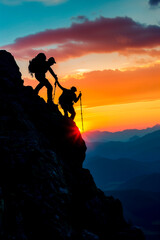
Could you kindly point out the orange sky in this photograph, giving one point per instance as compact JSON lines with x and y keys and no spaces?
{"x":115,"y":100}
{"x":116,"y":68}
{"x":109,"y":50}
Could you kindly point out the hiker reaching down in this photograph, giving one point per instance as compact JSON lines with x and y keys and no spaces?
{"x":67,"y":99}
{"x":40,"y":66}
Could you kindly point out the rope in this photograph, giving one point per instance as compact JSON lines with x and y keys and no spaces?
{"x":81,"y":114}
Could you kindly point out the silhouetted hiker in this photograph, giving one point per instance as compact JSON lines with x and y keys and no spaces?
{"x":67,"y":99}
{"x":40,"y":66}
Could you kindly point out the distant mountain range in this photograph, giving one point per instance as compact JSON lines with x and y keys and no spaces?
{"x":146,"y":148}
{"x":126,"y":135}
{"x":113,"y":163}
{"x":126,"y":165}
{"x":109,"y":174}
{"x":149,"y":182}
{"x":140,"y":197}
{"x":142,"y":209}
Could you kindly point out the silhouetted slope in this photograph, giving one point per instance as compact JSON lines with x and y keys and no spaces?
{"x":46,"y":194}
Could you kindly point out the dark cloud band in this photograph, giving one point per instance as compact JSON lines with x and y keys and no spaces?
{"x":154,"y":2}
{"x":103,"y":35}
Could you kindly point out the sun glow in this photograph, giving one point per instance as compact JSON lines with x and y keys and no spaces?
{"x":114,"y":118}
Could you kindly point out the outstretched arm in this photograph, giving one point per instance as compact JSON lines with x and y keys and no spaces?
{"x":52,"y":73}
{"x":56,"y":78}
{"x":59,"y":85}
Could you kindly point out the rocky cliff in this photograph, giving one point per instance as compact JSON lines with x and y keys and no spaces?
{"x":44,"y":191}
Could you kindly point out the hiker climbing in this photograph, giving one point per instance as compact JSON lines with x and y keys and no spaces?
{"x":67,"y":99}
{"x":39,"y":66}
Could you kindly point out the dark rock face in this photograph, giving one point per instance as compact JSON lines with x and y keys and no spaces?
{"x":44,"y":191}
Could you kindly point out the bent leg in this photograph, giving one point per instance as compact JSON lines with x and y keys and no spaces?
{"x":72,"y":112}
{"x":65,"y":109}
{"x":44,"y":82}
{"x":40,"y":78}
{"x":38,"y":87}
{"x":49,"y":90}
{"x":65,"y":112}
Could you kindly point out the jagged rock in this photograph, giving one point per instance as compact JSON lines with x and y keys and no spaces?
{"x":9,"y":70}
{"x":44,"y":192}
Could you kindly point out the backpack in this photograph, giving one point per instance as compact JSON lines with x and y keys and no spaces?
{"x":67,"y":97}
{"x":33,"y":66}
{"x":36,"y":63}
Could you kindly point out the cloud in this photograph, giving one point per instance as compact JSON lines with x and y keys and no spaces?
{"x":17,"y":2}
{"x":103,"y":35}
{"x":154,"y":2}
{"x":116,"y":87}
{"x":80,"y":19}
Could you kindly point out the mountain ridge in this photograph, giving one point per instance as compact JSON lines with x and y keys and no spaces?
{"x":144,"y":213}
{"x":45,"y":192}
{"x":106,"y":171}
{"x":144,"y":148}
{"x":147,"y":182}
{"x":125,"y":135}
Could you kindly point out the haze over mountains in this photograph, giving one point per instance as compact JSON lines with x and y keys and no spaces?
{"x":147,"y":182}
{"x":129,"y":134}
{"x":144,"y":148}
{"x":141,"y":208}
{"x":109,"y":174}
{"x":128,"y":168}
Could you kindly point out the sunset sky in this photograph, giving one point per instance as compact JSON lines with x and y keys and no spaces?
{"x":108,"y":49}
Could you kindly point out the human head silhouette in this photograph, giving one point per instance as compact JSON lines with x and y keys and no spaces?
{"x":51,"y":61}
{"x":73,"y":89}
